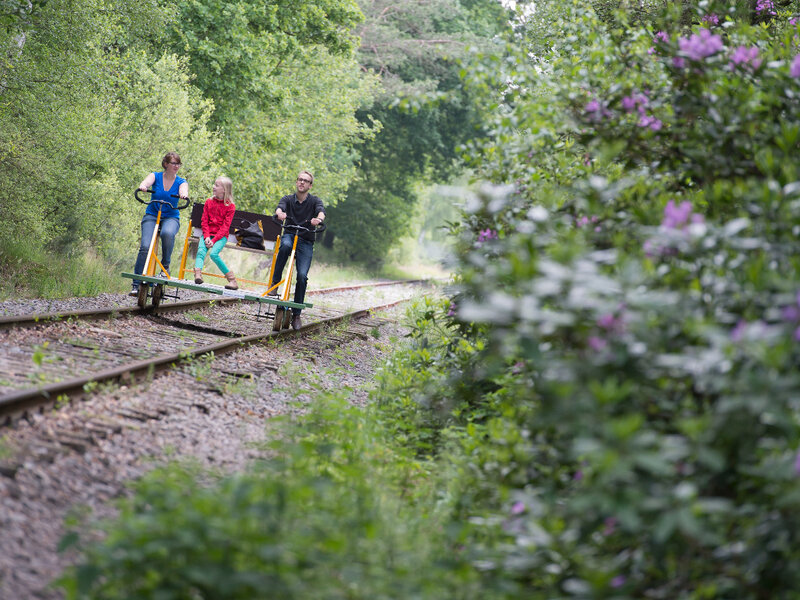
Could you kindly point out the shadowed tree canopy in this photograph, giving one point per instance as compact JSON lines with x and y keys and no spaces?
{"x":417,"y":48}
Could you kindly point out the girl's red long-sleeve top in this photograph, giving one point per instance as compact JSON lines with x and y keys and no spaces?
{"x":217,"y":218}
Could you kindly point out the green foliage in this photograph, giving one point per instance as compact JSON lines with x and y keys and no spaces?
{"x":313,"y":128}
{"x":69,"y":156}
{"x":417,"y":48}
{"x":284,"y":87}
{"x":237,"y":48}
{"x":277,"y":79}
{"x":334,"y":515}
{"x":28,"y":271}
{"x":634,"y":429}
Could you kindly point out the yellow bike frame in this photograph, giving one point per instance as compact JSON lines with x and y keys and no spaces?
{"x":290,"y":272}
{"x":152,"y":258}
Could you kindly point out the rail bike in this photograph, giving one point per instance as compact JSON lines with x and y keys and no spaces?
{"x":278,"y":308}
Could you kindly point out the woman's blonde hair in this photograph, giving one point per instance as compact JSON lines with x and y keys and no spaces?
{"x":227,"y":187}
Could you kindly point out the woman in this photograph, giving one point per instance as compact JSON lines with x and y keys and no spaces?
{"x":165,"y":185}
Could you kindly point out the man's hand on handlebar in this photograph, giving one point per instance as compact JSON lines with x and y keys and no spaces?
{"x":315,"y":221}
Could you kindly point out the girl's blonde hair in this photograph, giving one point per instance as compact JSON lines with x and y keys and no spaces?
{"x":227,"y":186}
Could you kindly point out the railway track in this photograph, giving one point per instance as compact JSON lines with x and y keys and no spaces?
{"x":220,"y":411}
{"x":32,"y":320}
{"x":66,"y":355}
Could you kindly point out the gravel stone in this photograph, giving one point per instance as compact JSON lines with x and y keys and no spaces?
{"x":209,"y":413}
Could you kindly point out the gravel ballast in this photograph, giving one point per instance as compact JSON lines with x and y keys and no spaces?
{"x":208,"y":412}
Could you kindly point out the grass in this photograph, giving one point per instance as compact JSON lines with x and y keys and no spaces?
{"x":30,"y":272}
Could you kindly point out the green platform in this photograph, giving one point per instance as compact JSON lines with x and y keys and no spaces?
{"x":209,"y":288}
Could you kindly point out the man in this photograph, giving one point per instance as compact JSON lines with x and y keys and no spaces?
{"x":300,"y":208}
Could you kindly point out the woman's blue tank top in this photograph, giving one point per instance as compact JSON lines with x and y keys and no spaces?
{"x":159,"y":193}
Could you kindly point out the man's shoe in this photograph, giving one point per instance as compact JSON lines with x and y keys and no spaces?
{"x":273,"y":293}
{"x":134,"y":292}
{"x":296,"y":322}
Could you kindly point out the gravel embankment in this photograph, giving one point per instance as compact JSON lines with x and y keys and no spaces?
{"x":211,"y":414}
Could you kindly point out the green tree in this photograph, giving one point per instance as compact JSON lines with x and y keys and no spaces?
{"x":236,"y":49}
{"x":284,"y":87}
{"x":84,"y":117}
{"x":417,"y":49}
{"x":313,"y":128}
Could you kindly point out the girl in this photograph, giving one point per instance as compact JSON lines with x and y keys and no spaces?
{"x":217,"y":216}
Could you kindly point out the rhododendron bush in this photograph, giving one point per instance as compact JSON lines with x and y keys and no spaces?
{"x":637,"y":293}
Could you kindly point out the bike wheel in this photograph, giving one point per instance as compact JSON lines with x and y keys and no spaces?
{"x":141,"y":299}
{"x":158,"y":294}
{"x":278,"y":322}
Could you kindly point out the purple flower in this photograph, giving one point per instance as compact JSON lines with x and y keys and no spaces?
{"x":678,"y":62}
{"x":517,"y":508}
{"x":745,"y":56}
{"x":794,"y":20}
{"x":578,"y":475}
{"x":518,"y":367}
{"x":618,"y":581}
{"x":765,"y":6}
{"x":596,"y":343}
{"x":486,"y":235}
{"x":711,"y":19}
{"x":676,"y":216}
{"x":797,"y":335}
{"x":451,"y":312}
{"x":700,"y":45}
{"x":651,"y":122}
{"x":609,"y":322}
{"x":610,"y":526}
{"x":794,"y":70}
{"x":592,"y":106}
{"x":738,"y":332}
{"x":628,"y":103}
{"x":797,"y":463}
{"x":790,"y":313}
{"x":661,"y":36}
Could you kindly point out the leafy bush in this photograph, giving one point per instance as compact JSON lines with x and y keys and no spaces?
{"x":338,"y":513}
{"x":636,"y":284}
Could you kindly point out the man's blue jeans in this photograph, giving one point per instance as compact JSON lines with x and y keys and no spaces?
{"x":169,"y":229}
{"x":302,"y":260}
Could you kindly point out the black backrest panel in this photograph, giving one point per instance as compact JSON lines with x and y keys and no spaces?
{"x":271,"y":229}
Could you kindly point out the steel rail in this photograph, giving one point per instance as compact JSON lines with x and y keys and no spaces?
{"x":24,"y":400}
{"x":101,"y":313}
{"x":106,"y":313}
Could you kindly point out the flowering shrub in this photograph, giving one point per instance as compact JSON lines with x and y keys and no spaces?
{"x":642,"y":433}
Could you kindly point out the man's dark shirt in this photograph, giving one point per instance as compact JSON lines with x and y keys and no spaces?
{"x":300,"y":213}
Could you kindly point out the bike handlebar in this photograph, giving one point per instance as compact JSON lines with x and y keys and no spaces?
{"x":178,"y":206}
{"x":319,"y":229}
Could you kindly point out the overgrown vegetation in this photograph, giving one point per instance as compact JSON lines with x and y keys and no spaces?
{"x":92,"y":95}
{"x":607,"y":405}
